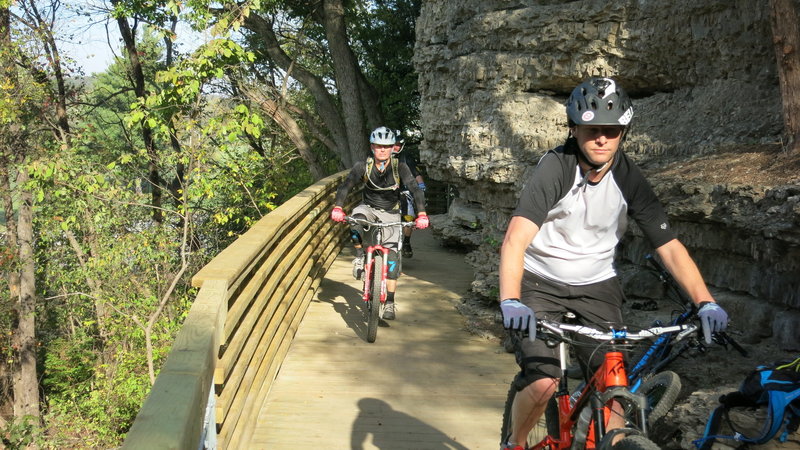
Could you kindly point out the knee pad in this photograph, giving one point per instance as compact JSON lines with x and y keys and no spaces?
{"x":393,"y":265}
{"x":355,"y":232}
{"x":355,"y":236}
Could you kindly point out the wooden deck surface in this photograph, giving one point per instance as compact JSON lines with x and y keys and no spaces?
{"x":426,"y":383}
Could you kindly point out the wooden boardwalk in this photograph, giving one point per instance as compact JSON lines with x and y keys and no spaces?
{"x":426,"y":383}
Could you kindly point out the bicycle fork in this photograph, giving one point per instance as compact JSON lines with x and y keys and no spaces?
{"x":368,"y":271}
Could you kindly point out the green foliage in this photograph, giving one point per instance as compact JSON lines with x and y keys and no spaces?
{"x":385,"y":34}
{"x":21,"y":434}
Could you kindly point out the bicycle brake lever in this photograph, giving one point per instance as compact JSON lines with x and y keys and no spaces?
{"x":722,"y":338}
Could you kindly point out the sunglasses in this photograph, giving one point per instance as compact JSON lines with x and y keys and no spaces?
{"x":610,"y":132}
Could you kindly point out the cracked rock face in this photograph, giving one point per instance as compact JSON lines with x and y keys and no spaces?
{"x":494,"y":76}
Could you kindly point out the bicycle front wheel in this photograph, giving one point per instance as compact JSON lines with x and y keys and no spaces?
{"x":374,"y":304}
{"x":661,"y":390}
{"x":635,"y":442}
{"x":547,"y":425}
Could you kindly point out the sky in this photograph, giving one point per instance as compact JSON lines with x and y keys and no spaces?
{"x":90,"y":36}
{"x":94,"y":55}
{"x":84,"y":38}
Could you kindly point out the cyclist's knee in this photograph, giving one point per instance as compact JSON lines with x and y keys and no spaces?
{"x":355,"y":236}
{"x":535,"y":369}
{"x":394,"y":265}
{"x":538,"y":390}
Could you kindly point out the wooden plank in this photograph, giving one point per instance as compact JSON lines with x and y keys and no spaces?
{"x":264,"y":304}
{"x":425,"y":383}
{"x":273,"y":359}
{"x":270,"y":341}
{"x":308,"y":290}
{"x":172,"y":416}
{"x":254,"y":349}
{"x":269,"y":274}
{"x":267,"y":372}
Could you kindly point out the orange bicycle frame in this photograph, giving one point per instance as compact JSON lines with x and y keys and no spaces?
{"x":610,"y":374}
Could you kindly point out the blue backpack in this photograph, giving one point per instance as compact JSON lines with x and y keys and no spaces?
{"x":776,"y":386}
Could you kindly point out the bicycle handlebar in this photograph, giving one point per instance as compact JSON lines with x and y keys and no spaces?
{"x":719,"y":337}
{"x":365,"y":222}
{"x":561,"y":328}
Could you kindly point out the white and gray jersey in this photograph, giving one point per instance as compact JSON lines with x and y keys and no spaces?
{"x":580,"y":224}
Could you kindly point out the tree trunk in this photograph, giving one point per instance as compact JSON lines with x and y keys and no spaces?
{"x":137,"y":72}
{"x":347,"y":77}
{"x":325,"y":104}
{"x":786,"y":38}
{"x":19,"y":235}
{"x":26,"y":384}
{"x":371,"y":103}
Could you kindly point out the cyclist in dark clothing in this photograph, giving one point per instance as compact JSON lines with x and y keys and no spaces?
{"x":407,"y":209}
{"x":558,"y":251}
{"x":381,"y":176}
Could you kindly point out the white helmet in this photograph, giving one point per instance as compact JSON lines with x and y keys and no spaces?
{"x":382,"y":136}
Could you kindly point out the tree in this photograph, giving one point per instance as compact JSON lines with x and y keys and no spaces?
{"x":384,"y":35}
{"x":786,"y":38}
{"x":342,"y":125}
{"x":18,"y":104}
{"x":128,"y":32}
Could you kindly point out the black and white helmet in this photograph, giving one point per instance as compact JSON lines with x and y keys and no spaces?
{"x":599,"y":101}
{"x":382,"y":136}
{"x":399,"y":142}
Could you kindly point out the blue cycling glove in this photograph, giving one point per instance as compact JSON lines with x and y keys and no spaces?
{"x":421,"y":186}
{"x":517,"y":316}
{"x":713,"y":318}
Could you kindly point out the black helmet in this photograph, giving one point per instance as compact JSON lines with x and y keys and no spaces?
{"x":599,"y":101}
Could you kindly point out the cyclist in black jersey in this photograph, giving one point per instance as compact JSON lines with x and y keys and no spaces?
{"x":381,"y":177}
{"x":558,"y":250}
{"x":407,"y":209}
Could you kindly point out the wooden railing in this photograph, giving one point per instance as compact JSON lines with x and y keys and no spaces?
{"x":252,"y":298}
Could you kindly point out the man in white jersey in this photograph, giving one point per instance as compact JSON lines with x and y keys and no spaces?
{"x":558,"y":251}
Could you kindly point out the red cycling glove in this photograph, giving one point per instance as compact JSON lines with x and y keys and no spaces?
{"x":337,"y":214}
{"x":422,"y":222}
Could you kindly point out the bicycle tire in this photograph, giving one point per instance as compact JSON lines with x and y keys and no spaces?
{"x":661,"y":390}
{"x":547,"y":425}
{"x":374,"y":304}
{"x":635,"y":442}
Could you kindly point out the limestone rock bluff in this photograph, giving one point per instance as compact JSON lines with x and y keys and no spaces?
{"x":494,"y":76}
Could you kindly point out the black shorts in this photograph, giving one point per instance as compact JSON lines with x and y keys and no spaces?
{"x":598,"y":305}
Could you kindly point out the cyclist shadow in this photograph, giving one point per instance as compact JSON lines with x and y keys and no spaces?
{"x":389,"y":428}
{"x":347,"y":302}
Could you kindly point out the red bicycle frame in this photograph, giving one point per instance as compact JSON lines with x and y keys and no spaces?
{"x":368,"y":271}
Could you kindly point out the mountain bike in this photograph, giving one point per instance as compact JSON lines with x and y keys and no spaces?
{"x":579,"y":418}
{"x":647,"y":375}
{"x":376,"y":268}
